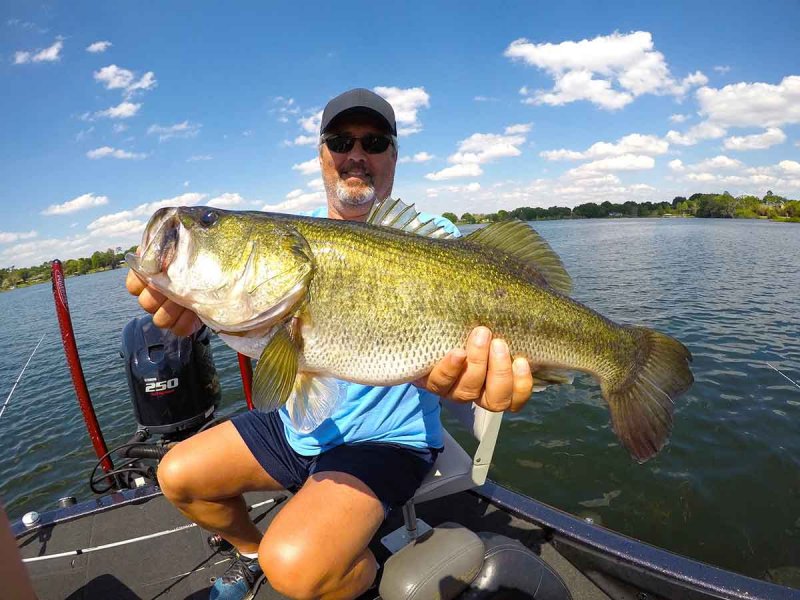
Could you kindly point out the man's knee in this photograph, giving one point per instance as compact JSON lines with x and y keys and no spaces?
{"x":175,"y":477}
{"x":289,"y":572}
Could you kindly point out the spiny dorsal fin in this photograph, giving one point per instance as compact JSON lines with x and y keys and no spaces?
{"x":523,"y":243}
{"x":395,"y":213}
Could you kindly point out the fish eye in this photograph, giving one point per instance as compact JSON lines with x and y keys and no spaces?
{"x":209,"y":217}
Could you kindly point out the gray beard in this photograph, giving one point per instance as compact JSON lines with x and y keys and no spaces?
{"x":354,"y":198}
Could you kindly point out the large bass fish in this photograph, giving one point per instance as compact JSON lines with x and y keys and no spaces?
{"x":318,"y":300}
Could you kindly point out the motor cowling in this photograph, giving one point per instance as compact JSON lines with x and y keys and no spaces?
{"x":172,"y":380}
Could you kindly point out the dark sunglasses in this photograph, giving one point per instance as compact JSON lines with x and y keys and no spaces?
{"x":372,"y":143}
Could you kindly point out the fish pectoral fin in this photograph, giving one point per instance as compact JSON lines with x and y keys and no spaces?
{"x":313,"y":400}
{"x":276,"y":371}
{"x":521,"y":241}
{"x":551,"y":376}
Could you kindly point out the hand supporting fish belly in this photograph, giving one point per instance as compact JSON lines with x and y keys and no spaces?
{"x":318,"y":300}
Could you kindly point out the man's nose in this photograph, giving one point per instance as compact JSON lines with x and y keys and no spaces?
{"x":357,"y":153}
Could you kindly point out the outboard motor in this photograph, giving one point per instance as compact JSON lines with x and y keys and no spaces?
{"x":173,"y":383}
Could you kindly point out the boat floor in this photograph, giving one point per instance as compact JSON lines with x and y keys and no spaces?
{"x":182,"y":565}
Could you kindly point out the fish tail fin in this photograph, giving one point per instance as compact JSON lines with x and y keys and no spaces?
{"x":641,"y":401}
{"x":313,"y":399}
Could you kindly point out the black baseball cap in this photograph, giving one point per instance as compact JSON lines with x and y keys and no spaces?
{"x":358,"y":100}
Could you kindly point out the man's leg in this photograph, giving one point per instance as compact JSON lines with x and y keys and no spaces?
{"x":205,"y":476}
{"x":316,"y":547}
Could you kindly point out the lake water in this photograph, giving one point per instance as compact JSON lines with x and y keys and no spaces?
{"x":726,"y":490}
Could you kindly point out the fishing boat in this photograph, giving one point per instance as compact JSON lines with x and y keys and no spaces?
{"x":461,"y":536}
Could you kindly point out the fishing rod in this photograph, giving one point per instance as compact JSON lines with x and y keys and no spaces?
{"x":2,"y":410}
{"x":784,"y":375}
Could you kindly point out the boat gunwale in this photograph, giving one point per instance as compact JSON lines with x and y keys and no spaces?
{"x":655,"y":561}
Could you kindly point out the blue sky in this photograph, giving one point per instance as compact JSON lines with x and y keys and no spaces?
{"x":110,"y":110}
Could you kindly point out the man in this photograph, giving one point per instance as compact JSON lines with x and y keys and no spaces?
{"x":345,"y":481}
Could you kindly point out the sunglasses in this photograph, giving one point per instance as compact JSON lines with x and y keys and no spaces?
{"x":372,"y":143}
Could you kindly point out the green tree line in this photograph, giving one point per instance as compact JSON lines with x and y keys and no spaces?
{"x":13,"y":277}
{"x":723,"y":205}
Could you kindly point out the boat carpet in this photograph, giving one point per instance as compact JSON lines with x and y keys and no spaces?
{"x":181,"y":565}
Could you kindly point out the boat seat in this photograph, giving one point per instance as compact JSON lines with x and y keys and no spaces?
{"x":454,"y":470}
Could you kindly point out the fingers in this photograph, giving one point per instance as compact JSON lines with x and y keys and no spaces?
{"x":445,"y":373}
{"x":187,"y":324}
{"x":523,"y":383}
{"x":134,"y":283}
{"x":499,"y":379}
{"x":469,"y":387}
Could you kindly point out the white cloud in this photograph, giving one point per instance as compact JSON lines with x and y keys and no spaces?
{"x":316,"y":184}
{"x":311,"y":123}
{"x":179,"y":130}
{"x":284,"y":108}
{"x":678,"y":118}
{"x":609,"y":71}
{"x":119,"y":127}
{"x":123,"y":110}
{"x":297,"y":201}
{"x":406,"y":103}
{"x":114,"y":77}
{"x":98,"y":47}
{"x":758,"y":141}
{"x":700,"y":132}
{"x":307,"y":168}
{"x":624,"y":162}
{"x":49,"y":54}
{"x":453,"y":189}
{"x":80,"y":203}
{"x":635,"y":143}
{"x":752,"y":104}
{"x":790,"y":166}
{"x":722,"y":69}
{"x":716,"y":163}
{"x":485,"y":99}
{"x":7,"y":237}
{"x":677,"y":165}
{"x":109,"y":152}
{"x":462,"y":170}
{"x":227,"y":200}
{"x":482,"y":148}
{"x":199,"y":157}
{"x":419,"y":157}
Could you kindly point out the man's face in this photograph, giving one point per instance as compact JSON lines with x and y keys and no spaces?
{"x":354,"y":180}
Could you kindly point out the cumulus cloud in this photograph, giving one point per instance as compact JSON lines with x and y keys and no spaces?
{"x":678,"y":118}
{"x":758,"y":141}
{"x":482,"y":148}
{"x":752,"y":104}
{"x":123,"y":110}
{"x":297,"y":201}
{"x":609,"y":71}
{"x":179,"y":130}
{"x":117,"y":78}
{"x":635,"y":143}
{"x":109,"y":152}
{"x":700,"y":132}
{"x":790,"y":166}
{"x":227,"y":200}
{"x":98,"y":47}
{"x":406,"y":103}
{"x":677,"y":165}
{"x":308,"y":167}
{"x":310,"y":125}
{"x":722,"y":69}
{"x":82,"y":202}
{"x":8,"y":237}
{"x":419,"y":157}
{"x":624,"y":162}
{"x":49,"y":54}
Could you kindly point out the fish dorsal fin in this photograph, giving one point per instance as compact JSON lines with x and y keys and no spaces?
{"x":523,"y":243}
{"x":395,"y":213}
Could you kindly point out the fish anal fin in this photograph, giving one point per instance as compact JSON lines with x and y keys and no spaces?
{"x":519,"y":240}
{"x":275,"y":372}
{"x":546,"y":376}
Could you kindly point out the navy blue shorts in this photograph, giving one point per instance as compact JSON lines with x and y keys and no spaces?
{"x":392,"y":471}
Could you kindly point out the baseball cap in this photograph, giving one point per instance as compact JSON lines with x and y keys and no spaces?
{"x":358,"y":100}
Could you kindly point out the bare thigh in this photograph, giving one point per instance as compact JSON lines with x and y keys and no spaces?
{"x":215,"y":464}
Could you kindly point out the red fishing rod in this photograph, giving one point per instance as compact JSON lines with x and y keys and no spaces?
{"x":75,"y":368}
{"x":246,"y":369}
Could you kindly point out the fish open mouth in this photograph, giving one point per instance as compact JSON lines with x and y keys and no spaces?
{"x":159,"y":244}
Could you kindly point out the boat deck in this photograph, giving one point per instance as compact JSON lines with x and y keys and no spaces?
{"x":182,"y":565}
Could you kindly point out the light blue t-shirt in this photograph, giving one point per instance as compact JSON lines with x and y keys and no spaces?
{"x":401,"y":414}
